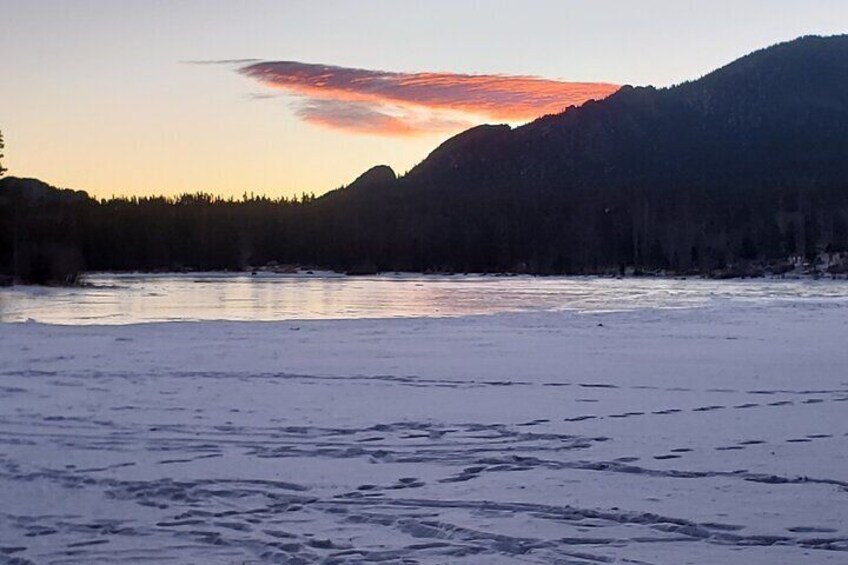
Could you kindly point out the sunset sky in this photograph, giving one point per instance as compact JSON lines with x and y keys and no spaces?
{"x":280,"y":97}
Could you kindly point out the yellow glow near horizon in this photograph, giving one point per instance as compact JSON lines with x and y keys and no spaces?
{"x":231,"y":145}
{"x":97,"y":95}
{"x":134,"y":164}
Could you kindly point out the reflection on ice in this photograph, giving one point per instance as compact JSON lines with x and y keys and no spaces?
{"x":135,"y":298}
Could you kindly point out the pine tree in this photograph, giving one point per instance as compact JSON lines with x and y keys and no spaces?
{"x":2,"y":169}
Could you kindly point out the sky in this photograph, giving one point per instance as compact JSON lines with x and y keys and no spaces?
{"x":282,"y":97}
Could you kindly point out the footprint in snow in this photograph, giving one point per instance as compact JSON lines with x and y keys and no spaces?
{"x":580,"y":418}
{"x":707,"y":408}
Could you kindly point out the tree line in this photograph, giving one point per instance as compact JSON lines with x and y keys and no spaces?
{"x":48,"y":235}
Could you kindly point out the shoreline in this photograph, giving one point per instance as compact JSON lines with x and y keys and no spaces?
{"x":323,"y":274}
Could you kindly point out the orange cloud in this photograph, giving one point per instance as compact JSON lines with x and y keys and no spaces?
{"x":378,"y":119}
{"x":389,"y":103}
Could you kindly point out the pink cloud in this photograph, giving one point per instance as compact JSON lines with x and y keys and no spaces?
{"x":370,"y":118}
{"x":391,"y":103}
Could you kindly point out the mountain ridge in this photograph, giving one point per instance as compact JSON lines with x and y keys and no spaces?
{"x":707,"y":97}
{"x":645,"y":178}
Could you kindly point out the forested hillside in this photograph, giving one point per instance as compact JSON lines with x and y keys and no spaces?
{"x":736,"y":172}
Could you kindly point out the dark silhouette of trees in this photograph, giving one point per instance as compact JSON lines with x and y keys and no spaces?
{"x":742,"y":171}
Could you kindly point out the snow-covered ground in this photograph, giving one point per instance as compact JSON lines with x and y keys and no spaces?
{"x":708,"y":435}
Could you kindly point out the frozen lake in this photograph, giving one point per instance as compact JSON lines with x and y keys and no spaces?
{"x":581,"y":421}
{"x":136,"y":298}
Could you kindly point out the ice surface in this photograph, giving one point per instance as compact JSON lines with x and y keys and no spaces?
{"x":705,"y":435}
{"x":140,"y":297}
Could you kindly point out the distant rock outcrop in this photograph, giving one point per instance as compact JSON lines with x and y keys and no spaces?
{"x":27,"y":190}
{"x":381,"y":175}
